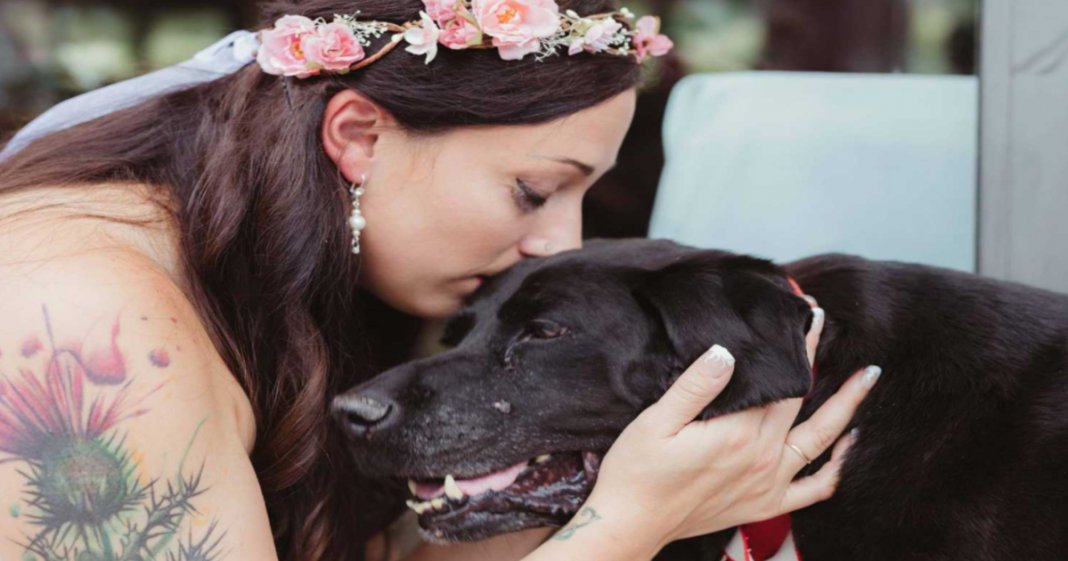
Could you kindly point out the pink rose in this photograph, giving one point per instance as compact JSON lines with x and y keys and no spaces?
{"x":423,"y":40}
{"x":598,"y":37}
{"x":281,"y":52}
{"x":517,"y":26}
{"x":333,"y":47}
{"x":649,"y":41}
{"x":460,"y":34}
{"x":440,"y":10}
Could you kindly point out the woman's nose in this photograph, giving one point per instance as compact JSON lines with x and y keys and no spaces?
{"x":544,"y":247}
{"x":561,"y":232}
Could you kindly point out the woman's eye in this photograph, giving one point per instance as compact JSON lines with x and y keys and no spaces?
{"x":527,"y":198}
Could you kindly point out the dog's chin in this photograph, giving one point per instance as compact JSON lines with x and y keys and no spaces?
{"x":545,"y":491}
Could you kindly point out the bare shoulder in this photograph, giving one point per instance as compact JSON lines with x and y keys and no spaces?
{"x":122,"y":433}
{"x":47,"y":225}
{"x":117,"y":300}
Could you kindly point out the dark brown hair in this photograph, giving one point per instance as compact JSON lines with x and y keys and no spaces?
{"x":262,"y":217}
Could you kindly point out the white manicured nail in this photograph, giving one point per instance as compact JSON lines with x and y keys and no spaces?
{"x":818,"y":315}
{"x":720,"y":359}
{"x":871,"y":375}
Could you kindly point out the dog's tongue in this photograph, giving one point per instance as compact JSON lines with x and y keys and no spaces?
{"x":495,"y":481}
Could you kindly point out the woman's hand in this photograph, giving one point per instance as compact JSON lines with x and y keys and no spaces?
{"x":704,"y":476}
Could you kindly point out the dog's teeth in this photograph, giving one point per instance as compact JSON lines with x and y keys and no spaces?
{"x":413,"y":488}
{"x":438,"y":503}
{"x":542,"y":458}
{"x":419,"y":508}
{"x":452,"y":490}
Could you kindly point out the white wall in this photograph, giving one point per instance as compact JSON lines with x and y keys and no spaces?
{"x":1023,"y":199}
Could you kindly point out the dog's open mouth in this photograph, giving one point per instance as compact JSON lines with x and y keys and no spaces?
{"x":546,"y":490}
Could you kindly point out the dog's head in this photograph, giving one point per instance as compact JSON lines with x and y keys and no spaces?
{"x":551,"y":360}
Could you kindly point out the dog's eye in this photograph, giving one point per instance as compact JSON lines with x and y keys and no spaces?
{"x":545,"y":329}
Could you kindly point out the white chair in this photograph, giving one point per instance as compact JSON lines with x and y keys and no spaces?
{"x":786,"y":165}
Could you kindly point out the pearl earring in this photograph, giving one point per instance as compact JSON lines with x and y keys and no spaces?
{"x":356,"y":220}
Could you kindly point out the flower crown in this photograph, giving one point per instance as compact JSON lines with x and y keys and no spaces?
{"x":302,"y":47}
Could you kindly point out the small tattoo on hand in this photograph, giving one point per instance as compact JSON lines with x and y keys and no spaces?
{"x":584,"y":518}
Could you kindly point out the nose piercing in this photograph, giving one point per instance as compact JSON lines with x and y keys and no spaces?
{"x":549,"y":247}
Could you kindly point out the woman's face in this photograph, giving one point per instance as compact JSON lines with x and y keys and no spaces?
{"x":445,"y":212}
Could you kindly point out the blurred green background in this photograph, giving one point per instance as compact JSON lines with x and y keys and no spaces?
{"x":52,"y":49}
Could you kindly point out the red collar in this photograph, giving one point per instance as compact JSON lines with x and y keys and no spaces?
{"x":801,"y":293}
{"x":795,"y":286}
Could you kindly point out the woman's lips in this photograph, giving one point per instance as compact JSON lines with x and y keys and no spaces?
{"x":471,"y":284}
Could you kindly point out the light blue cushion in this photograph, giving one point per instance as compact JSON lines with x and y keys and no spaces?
{"x":786,"y":165}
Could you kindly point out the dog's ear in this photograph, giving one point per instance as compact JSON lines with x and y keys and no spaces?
{"x":744,"y":304}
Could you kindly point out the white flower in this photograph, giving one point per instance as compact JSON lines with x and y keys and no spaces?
{"x":597,"y":38}
{"x":423,"y":40}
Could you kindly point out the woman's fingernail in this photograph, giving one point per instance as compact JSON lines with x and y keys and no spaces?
{"x":818,"y":315}
{"x":811,"y":301}
{"x":853,"y":434}
{"x":871,"y":375}
{"x":720,"y":359}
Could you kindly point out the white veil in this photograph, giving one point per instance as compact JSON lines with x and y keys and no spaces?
{"x":226,"y":56}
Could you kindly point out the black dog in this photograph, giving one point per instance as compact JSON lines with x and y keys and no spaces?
{"x":963,"y":448}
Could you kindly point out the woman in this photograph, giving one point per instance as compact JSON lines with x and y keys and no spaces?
{"x":188,"y":280}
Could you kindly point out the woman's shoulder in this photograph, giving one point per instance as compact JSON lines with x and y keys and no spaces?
{"x":106,"y":291}
{"x":117,"y":413}
{"x":116,"y":410}
{"x":50,"y":223}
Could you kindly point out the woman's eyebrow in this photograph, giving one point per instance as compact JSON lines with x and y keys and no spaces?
{"x":586,"y":169}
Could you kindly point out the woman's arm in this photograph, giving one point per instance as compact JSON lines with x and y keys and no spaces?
{"x":723,"y":474}
{"x":122,"y":434}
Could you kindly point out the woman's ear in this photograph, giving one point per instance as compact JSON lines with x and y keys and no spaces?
{"x":352,"y":124}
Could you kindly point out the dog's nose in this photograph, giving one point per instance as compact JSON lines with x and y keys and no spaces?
{"x":359,"y":413}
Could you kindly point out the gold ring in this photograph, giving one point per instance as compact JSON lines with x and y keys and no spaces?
{"x":799,"y":453}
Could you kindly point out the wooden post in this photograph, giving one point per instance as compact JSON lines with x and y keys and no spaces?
{"x":1023,"y":192}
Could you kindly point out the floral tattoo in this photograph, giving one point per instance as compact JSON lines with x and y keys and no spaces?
{"x":84,"y":496}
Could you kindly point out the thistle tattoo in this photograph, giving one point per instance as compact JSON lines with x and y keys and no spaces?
{"x":84,"y":498}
